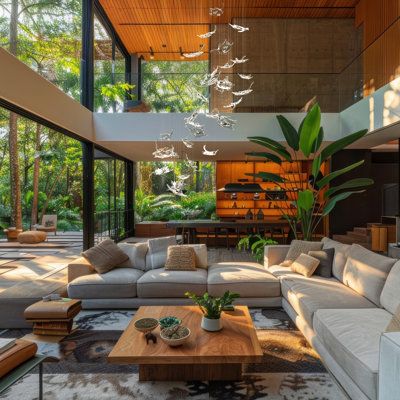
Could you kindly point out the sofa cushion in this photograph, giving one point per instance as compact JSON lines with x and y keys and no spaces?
{"x":341,"y":253}
{"x":180,"y":258}
{"x":307,"y":295}
{"x":297,"y":247}
{"x":246,"y":278}
{"x":325,"y":258}
{"x":136,"y":253}
{"x":352,"y":339}
{"x":105,"y":256}
{"x":394,"y":324}
{"x":201,"y":255}
{"x":118,"y":283}
{"x":366,"y":272}
{"x":159,"y":283}
{"x":158,"y":248}
{"x":390,"y":296}
{"x":304,"y":265}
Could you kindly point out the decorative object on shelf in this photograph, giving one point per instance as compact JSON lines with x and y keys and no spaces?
{"x":255,"y":244}
{"x":234,"y":205}
{"x":175,"y":336}
{"x":234,"y":196}
{"x":260,"y":215}
{"x":212,"y":307}
{"x":249,"y":214}
{"x":147,"y":326}
{"x":167,"y":322}
{"x":256,"y":196}
{"x":318,"y":200}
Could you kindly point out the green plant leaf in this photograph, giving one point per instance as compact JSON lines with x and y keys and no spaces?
{"x":269,"y":156}
{"x":326,"y":179}
{"x":268,"y":177}
{"x":316,"y":165}
{"x":318,"y":141}
{"x":272,"y":145}
{"x":351,"y":184}
{"x":341,"y":144}
{"x":310,"y":130}
{"x":305,"y":200}
{"x":330,"y":205}
{"x":290,"y":133}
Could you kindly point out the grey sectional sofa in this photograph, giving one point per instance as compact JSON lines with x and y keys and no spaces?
{"x":149,"y":283}
{"x":345,"y":317}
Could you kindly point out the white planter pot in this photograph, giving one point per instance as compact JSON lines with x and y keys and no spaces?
{"x":211,"y":325}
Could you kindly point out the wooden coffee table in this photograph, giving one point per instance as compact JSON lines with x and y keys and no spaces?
{"x":206,"y":356}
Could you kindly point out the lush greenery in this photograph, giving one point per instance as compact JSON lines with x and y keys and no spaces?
{"x":320,"y":198}
{"x":210,"y":306}
{"x":255,"y":244}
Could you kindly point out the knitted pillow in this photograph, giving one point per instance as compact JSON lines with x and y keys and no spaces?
{"x":298,"y":247}
{"x":180,"y":258}
{"x":305,"y":265}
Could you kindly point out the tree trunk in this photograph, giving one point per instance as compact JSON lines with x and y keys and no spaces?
{"x":36,"y":170}
{"x":15,"y":193}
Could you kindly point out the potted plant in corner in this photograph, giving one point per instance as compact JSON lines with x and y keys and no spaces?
{"x":212,"y":307}
{"x":319,"y":198}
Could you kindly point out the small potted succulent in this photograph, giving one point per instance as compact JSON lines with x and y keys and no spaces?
{"x":212,"y":307}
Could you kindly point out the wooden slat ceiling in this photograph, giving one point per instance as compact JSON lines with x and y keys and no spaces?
{"x":168,"y":25}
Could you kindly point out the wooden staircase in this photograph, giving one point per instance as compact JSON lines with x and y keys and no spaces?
{"x":359,"y":235}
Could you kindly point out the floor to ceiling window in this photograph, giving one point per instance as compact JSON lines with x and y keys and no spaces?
{"x":46,"y":35}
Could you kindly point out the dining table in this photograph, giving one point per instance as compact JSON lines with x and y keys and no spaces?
{"x":188,"y":228}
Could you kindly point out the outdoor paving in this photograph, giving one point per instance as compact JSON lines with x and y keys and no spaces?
{"x":21,"y":263}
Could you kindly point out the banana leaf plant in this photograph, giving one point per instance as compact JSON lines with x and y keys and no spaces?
{"x":321,"y":196}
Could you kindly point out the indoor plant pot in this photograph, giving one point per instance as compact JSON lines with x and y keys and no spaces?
{"x":211,"y":324}
{"x":212,"y":307}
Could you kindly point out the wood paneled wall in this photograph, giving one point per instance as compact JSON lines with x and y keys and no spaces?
{"x":381,"y":27}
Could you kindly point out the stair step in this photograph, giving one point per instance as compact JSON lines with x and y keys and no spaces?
{"x":348,"y":240}
{"x":360,"y":229}
{"x":370,"y":224}
{"x":359,"y":236}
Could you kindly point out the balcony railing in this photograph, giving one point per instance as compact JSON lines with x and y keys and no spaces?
{"x":112,"y":224}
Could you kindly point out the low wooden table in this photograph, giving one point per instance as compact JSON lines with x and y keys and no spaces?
{"x":206,"y":356}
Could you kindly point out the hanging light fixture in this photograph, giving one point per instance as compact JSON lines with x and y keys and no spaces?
{"x":151,"y":53}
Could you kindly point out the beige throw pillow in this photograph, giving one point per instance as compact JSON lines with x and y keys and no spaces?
{"x":305,"y":265}
{"x":298,"y":247}
{"x":180,"y":258}
{"x":394,"y":324}
{"x":105,"y":256}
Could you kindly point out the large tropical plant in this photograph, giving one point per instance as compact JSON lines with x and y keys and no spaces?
{"x":320,"y":197}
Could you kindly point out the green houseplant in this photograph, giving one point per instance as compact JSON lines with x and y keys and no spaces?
{"x":320,"y":197}
{"x":212,"y":307}
{"x":256,"y":244}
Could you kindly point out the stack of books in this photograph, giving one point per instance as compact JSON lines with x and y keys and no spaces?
{"x":53,"y":327}
{"x":53,"y":318}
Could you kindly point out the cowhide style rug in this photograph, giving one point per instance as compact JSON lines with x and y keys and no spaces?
{"x":291,"y":370}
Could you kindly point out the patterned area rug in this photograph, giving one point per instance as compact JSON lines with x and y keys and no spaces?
{"x":291,"y":370}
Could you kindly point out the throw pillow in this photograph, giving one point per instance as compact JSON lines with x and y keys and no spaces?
{"x":394,"y":324}
{"x":298,"y":247}
{"x":136,"y":253}
{"x":105,"y":256}
{"x":158,"y":250}
{"x":325,"y":258}
{"x":180,"y":258}
{"x":304,"y":265}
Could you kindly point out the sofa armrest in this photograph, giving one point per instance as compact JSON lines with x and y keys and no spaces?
{"x":389,"y":366}
{"x":79,"y":267}
{"x":275,"y":254}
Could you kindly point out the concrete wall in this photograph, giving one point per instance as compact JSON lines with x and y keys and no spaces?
{"x":292,"y":61}
{"x":22,"y":86}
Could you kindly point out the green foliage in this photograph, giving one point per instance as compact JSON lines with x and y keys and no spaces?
{"x":168,"y":207}
{"x":317,"y":200}
{"x":210,"y":306}
{"x":255,"y":244}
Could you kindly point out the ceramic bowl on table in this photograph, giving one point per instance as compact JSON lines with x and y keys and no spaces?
{"x":175,"y":335}
{"x":167,"y":322}
{"x":146,"y":325}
